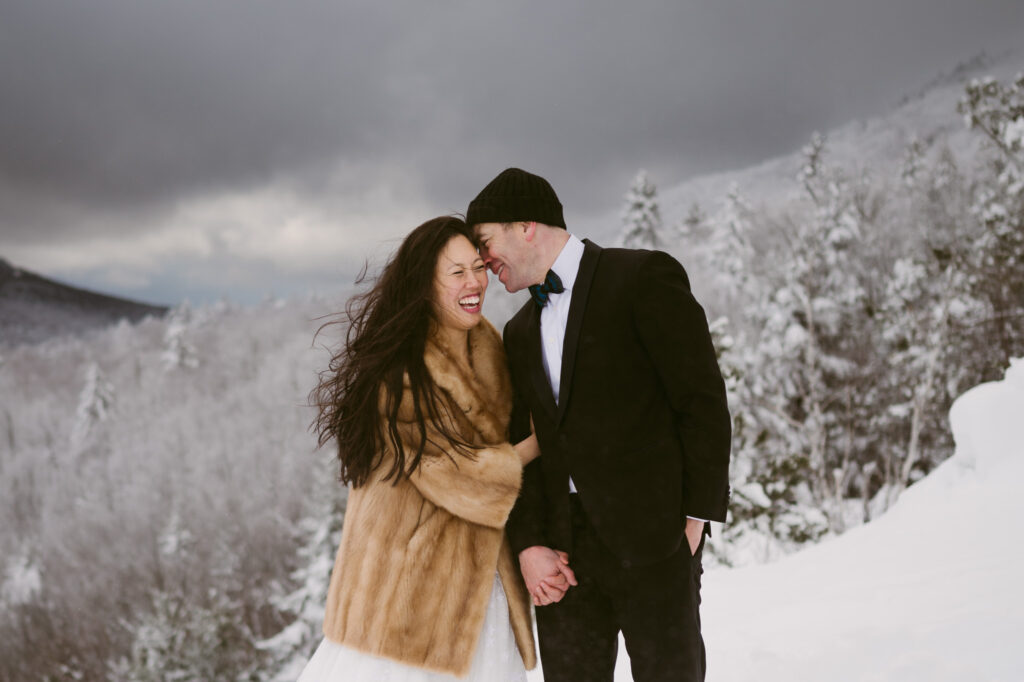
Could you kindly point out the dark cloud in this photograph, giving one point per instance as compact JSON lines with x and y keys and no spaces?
{"x":121,"y":102}
{"x":119,"y":109}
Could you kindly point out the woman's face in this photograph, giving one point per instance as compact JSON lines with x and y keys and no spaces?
{"x":460,"y":280}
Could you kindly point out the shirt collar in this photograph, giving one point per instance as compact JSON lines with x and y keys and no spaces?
{"x":567,"y":265}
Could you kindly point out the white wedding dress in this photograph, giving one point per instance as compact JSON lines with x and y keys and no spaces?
{"x":496,"y":658}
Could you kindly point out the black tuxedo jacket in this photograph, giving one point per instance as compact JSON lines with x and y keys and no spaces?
{"x":642,"y":422}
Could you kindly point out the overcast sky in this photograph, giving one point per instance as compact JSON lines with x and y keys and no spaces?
{"x":163,"y":149}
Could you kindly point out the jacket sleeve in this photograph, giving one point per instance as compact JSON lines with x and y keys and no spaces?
{"x":480,"y":487}
{"x":674,"y":331}
{"x":525,"y":527}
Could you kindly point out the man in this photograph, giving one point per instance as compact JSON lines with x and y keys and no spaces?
{"x":613,"y":362}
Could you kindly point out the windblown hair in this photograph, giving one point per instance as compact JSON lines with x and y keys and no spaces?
{"x":388,"y":327}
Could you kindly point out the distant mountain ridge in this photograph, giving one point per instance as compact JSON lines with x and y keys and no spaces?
{"x":34,"y":308}
{"x":877,"y":145}
{"x":877,"y":142}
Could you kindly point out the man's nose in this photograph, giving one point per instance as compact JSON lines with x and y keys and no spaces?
{"x":488,"y":261}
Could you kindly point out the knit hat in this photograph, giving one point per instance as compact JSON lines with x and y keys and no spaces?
{"x":516,"y":195}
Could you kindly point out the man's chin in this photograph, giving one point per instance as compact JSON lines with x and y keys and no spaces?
{"x":510,"y":287}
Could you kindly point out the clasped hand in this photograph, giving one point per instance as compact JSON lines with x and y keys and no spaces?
{"x":547,"y":574}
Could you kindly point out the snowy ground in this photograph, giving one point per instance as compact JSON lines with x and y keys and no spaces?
{"x":930,"y":592}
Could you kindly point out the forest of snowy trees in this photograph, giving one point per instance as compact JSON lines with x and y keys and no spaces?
{"x":164,"y":514}
{"x":852,"y":318}
{"x":161,"y":502}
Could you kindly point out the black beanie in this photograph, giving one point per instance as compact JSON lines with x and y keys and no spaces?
{"x":516,"y":195}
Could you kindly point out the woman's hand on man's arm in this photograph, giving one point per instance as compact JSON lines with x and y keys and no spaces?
{"x":528,"y":449}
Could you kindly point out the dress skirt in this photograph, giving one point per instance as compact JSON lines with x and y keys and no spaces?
{"x":496,"y":658}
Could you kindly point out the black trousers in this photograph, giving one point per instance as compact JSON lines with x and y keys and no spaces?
{"x":656,"y":607}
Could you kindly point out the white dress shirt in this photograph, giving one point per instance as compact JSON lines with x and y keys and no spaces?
{"x":554,"y":316}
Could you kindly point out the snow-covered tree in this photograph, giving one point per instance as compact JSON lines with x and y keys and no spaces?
{"x":771,"y":509}
{"x":187,"y":492}
{"x":997,"y":110}
{"x":21,"y":580}
{"x":694,"y":225}
{"x":304,"y":604}
{"x":641,"y":218}
{"x":916,"y":320}
{"x":178,"y":350}
{"x":182,"y":640}
{"x":807,"y":386}
{"x":995,"y":248}
{"x":731,"y":251}
{"x":94,"y":405}
{"x":913,"y":162}
{"x":921,"y":316}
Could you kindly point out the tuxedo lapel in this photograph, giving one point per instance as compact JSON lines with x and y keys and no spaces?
{"x":535,"y":360}
{"x":580,"y":292}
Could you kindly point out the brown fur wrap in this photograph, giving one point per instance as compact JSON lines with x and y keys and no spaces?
{"x":417,"y":560}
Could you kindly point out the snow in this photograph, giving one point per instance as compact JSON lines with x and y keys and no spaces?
{"x":1013,"y":136}
{"x":929,"y":592}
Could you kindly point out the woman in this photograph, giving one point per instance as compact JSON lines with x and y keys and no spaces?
{"x":424,"y":586}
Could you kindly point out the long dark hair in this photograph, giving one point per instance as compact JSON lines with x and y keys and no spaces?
{"x":388,"y":326}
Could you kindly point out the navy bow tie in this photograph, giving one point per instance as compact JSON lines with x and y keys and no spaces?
{"x":552,"y":285}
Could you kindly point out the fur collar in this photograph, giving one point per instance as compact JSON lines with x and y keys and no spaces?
{"x":483,"y":390}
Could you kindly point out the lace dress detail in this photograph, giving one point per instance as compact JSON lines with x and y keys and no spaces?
{"x":496,"y":658}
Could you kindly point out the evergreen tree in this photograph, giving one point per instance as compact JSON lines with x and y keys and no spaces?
{"x":94,"y":405}
{"x":694,"y":225}
{"x":916,"y":319}
{"x":21,"y":580}
{"x":913,"y":163}
{"x":995,"y":249}
{"x":732,"y":252}
{"x":997,"y":110}
{"x":641,"y":219}
{"x":924,"y":305}
{"x":182,"y":640}
{"x":811,"y":371}
{"x":291,"y":647}
{"x":178,"y":351}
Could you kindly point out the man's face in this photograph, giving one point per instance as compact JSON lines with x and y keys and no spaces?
{"x":506,"y":251}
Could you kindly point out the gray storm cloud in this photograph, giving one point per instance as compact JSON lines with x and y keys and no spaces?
{"x":117,"y":113}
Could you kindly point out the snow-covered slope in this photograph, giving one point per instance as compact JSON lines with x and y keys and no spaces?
{"x":929,"y":592}
{"x":879,"y":143}
{"x":34,"y":308}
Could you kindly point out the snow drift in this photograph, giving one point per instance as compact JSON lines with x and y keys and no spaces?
{"x":930,"y":591}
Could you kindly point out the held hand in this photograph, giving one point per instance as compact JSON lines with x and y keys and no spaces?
{"x":559,"y":582}
{"x":694,"y":531}
{"x":563,"y":567}
{"x":546,"y":573}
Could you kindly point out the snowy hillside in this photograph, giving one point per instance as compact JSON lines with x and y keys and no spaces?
{"x":929,"y":592}
{"x":878,"y":143}
{"x":34,"y":308}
